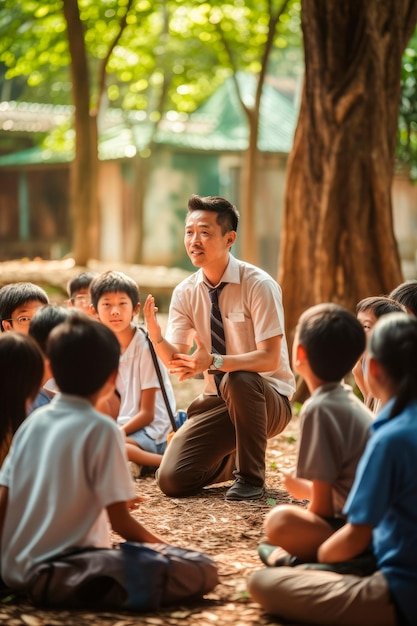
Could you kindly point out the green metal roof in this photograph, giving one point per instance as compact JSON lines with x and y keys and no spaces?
{"x":218,"y":125}
{"x":35,"y":156}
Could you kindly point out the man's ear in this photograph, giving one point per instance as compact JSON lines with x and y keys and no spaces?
{"x":231,"y":237}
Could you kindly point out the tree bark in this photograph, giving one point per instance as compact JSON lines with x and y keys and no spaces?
{"x":84,"y":168}
{"x":338,"y":242}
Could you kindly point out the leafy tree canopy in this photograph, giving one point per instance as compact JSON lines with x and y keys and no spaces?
{"x":181,"y":41}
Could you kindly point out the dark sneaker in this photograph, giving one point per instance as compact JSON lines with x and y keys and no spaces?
{"x":240,"y":490}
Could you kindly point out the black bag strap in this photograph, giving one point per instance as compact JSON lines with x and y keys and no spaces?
{"x":160,"y":379}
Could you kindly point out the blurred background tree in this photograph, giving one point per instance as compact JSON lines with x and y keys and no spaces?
{"x":150,"y":57}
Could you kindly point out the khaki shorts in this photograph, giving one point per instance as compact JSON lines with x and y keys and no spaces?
{"x":320,"y":597}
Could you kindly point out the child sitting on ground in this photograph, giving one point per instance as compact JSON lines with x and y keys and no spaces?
{"x":381,"y":508}
{"x":44,"y":320}
{"x":368,"y":311}
{"x":334,"y":430}
{"x":78,"y":289}
{"x":142,"y":414}
{"x":74,"y":460}
{"x":21,"y":367}
{"x":18,"y":304}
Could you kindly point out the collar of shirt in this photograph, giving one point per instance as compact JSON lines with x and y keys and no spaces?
{"x":230,"y":275}
{"x":383,"y":415}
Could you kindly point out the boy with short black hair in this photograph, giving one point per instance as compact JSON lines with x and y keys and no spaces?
{"x":142,"y":414}
{"x":18,"y":304}
{"x":76,"y":477}
{"x":334,"y":430}
{"x":78,"y":289}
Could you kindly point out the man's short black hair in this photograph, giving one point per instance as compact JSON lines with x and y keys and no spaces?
{"x":44,"y":320}
{"x":227,"y":213}
{"x":82,"y":353}
{"x":333,"y":340}
{"x":114,"y":282}
{"x":78,"y":282}
{"x":14,"y":295}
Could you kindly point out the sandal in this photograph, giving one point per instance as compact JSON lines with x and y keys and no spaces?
{"x":266,"y":550}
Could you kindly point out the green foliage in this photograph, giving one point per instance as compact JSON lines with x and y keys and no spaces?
{"x":33,"y":44}
{"x":407,"y":122}
{"x":176,"y":43}
{"x":296,"y":408}
{"x":290,"y":439}
{"x":171,"y":56}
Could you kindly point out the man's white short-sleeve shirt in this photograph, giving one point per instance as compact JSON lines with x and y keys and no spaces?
{"x":252,"y":311}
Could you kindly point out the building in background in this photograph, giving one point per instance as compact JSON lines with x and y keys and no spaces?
{"x":200,"y":153}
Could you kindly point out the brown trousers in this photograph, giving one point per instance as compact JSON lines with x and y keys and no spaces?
{"x":224,"y":437}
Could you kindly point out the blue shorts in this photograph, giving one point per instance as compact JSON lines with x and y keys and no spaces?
{"x":146,"y":442}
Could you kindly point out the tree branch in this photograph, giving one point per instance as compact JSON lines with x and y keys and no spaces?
{"x":272,"y":27}
{"x":103,"y":66}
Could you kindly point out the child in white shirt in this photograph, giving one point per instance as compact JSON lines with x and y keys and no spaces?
{"x":142,"y":414}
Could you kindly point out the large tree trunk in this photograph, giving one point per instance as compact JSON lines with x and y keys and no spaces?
{"x":84,"y":168}
{"x":338,"y":242}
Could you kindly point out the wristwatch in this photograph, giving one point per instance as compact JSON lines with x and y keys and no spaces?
{"x":217,"y":362}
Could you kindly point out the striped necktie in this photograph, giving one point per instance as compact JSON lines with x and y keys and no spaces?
{"x":218,"y":341}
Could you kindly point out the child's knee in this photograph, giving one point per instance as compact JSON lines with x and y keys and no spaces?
{"x":278,"y":521}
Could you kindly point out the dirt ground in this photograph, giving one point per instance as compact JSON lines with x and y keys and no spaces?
{"x":229,"y":532}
